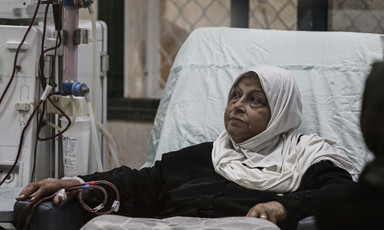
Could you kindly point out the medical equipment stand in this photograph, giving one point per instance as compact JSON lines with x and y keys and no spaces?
{"x":24,"y":90}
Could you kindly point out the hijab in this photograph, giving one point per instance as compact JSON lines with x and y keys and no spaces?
{"x":275,"y":159}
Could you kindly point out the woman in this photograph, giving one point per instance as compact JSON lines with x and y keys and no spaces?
{"x":259,"y":166}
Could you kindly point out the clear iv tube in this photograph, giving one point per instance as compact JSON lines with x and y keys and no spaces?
{"x":112,"y":145}
{"x":71,"y":23}
{"x":95,"y":143}
{"x":94,"y":47}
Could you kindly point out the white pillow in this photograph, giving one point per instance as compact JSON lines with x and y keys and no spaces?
{"x":330,"y":70}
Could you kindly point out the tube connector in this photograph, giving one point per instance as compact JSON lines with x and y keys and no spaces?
{"x":46,"y":92}
{"x":75,"y":88}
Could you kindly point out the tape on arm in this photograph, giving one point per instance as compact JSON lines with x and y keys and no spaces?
{"x":63,"y":195}
{"x":81,"y":181}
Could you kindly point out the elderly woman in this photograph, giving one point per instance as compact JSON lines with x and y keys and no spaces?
{"x":259,"y":166}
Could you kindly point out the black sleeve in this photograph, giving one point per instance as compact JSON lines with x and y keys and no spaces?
{"x":302,"y":203}
{"x":138,"y":189}
{"x":142,"y":191}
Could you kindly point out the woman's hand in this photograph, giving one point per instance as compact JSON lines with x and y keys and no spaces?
{"x":272,"y":211}
{"x":48,"y":186}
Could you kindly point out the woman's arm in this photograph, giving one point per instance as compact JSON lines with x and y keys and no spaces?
{"x":138,"y":189}
{"x":317,"y":178}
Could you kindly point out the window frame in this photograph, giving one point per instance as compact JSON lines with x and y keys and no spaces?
{"x":312,"y":15}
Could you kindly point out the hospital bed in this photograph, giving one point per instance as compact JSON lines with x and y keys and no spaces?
{"x":330,"y":69}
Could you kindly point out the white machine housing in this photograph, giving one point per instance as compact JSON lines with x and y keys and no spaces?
{"x":25,"y":92}
{"x":19,"y":9}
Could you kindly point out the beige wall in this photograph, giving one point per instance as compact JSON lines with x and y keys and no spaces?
{"x":131,"y":138}
{"x":134,"y":48}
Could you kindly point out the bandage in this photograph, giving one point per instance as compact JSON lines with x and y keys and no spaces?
{"x":63,"y":195}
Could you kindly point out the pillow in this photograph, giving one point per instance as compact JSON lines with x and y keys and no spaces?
{"x":330,"y":69}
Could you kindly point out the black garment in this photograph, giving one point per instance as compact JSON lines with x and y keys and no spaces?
{"x":184,"y":183}
{"x":354,"y":206}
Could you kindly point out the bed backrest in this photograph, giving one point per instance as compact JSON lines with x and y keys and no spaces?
{"x":330,"y":69}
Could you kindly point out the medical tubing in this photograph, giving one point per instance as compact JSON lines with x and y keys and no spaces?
{"x":36,"y":204}
{"x":41,"y":59}
{"x":112,"y":146}
{"x":62,"y":113}
{"x":94,"y":57}
{"x":18,"y":225}
{"x":38,"y":129}
{"x":88,"y":186}
{"x":18,"y":51}
{"x":53,"y":125}
{"x":20,"y":143}
{"x":23,"y":132}
{"x":74,"y":111}
{"x":71,"y":15}
{"x":97,"y":208}
{"x":39,"y":123}
{"x":80,"y":188}
{"x":22,"y":214}
{"x":112,"y":149}
{"x":95,"y":143}
{"x":58,"y":44}
{"x":11,"y":80}
{"x":96,"y":185}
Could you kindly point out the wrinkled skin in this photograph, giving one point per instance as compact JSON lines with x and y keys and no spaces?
{"x":247,"y":113}
{"x":272,"y":211}
{"x":46,"y":187}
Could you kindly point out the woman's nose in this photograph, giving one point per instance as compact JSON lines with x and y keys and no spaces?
{"x":239,"y":105}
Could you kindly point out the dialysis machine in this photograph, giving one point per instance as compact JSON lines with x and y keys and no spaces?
{"x":53,"y":90}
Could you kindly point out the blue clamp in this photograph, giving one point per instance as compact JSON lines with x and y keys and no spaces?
{"x":69,"y":3}
{"x":75,"y":88}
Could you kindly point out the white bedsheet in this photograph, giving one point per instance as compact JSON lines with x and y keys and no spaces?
{"x":114,"y":222}
{"x":330,"y":69}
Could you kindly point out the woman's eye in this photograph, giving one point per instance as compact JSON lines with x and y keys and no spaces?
{"x":236,"y":95}
{"x":255,"y":100}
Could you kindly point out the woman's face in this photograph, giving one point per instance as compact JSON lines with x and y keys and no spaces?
{"x":247,"y":113}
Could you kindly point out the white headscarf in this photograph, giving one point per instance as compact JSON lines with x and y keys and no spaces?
{"x":275,"y":160}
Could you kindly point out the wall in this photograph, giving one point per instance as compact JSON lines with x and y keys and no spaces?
{"x":131,"y":138}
